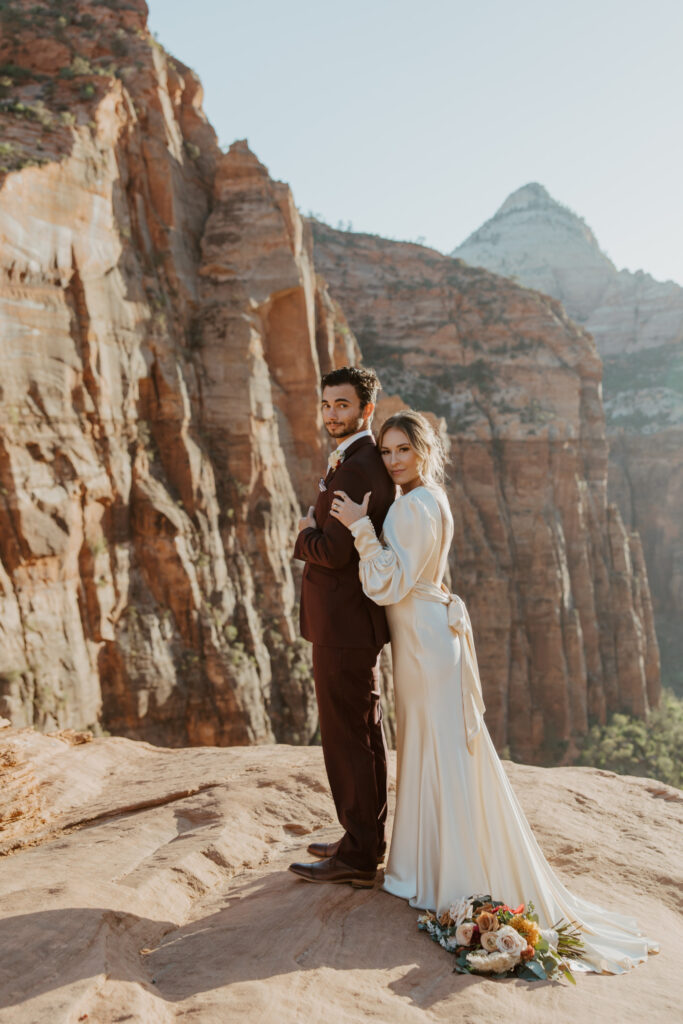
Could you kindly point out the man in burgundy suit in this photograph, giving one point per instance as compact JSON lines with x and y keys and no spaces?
{"x":348,"y":632}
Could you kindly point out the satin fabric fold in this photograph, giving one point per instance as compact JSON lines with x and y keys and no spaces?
{"x":458,"y":827}
{"x":473,"y":706}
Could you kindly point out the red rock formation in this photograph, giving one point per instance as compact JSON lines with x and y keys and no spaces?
{"x":637,"y":324}
{"x":557,"y":589}
{"x":164,"y":332}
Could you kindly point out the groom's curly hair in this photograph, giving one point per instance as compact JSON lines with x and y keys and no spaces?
{"x":365,"y":382}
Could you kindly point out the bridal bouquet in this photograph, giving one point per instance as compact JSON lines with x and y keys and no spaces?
{"x":488,"y":937}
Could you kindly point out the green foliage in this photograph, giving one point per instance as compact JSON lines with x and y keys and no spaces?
{"x":119,"y":44}
{"x":79,"y":66}
{"x":192,"y":150}
{"x":30,"y":111}
{"x":630,"y":746}
{"x":17,"y":73}
{"x":654,"y":367}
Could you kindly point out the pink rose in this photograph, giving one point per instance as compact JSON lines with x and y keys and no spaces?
{"x":489,"y":941}
{"x":464,"y":933}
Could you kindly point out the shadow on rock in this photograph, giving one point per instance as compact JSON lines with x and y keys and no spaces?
{"x":53,"y":949}
{"x":277,"y":924}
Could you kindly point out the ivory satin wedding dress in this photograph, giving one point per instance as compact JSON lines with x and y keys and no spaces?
{"x":458,"y":829}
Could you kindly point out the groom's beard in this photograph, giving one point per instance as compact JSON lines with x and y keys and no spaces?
{"x":340,"y":431}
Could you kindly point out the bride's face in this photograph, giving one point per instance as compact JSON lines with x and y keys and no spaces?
{"x":401,"y":459}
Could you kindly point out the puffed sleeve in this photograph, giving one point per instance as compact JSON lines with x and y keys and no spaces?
{"x":389,"y":569}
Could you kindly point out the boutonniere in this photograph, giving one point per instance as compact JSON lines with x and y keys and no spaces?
{"x":335,"y":459}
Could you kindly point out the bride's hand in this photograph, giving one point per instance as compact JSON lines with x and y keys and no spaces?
{"x":346,"y":510}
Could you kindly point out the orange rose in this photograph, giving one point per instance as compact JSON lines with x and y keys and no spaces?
{"x":487,"y":922}
{"x":527,"y":954}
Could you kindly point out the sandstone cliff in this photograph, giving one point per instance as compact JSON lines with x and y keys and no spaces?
{"x":637,"y":324}
{"x":556,"y":586}
{"x":163,"y":333}
{"x":152,"y":885}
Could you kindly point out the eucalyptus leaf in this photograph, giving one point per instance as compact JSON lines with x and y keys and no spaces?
{"x":537,"y":968}
{"x":526,"y":974}
{"x":459,"y":969}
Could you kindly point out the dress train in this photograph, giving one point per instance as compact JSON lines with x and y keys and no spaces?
{"x":459,"y":829}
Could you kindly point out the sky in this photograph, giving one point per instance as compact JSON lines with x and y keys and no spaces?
{"x":415,"y":119}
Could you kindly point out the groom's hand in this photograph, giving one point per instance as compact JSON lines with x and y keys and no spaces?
{"x":308,"y":520}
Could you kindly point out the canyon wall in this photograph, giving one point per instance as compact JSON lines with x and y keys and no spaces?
{"x":556,"y":586}
{"x":163,"y":334}
{"x":637,"y":323}
{"x":164,"y":325}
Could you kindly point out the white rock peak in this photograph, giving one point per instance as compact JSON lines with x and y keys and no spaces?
{"x":546,"y":246}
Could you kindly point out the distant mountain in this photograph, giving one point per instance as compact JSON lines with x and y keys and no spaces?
{"x":546,"y":246}
{"x":637,"y":324}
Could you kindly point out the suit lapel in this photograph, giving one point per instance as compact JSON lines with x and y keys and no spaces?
{"x":358,"y":444}
{"x":325,"y":497}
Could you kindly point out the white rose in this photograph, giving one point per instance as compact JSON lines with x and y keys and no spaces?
{"x":478,"y":960}
{"x":491,"y":963}
{"x":489,"y":941}
{"x":463,"y":933}
{"x":460,"y":910}
{"x":550,"y":936}
{"x":501,"y":962}
{"x":508,"y":940}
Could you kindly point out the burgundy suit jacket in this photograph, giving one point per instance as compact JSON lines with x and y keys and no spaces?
{"x":334,"y":610}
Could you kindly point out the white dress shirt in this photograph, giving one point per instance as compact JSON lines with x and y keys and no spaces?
{"x":346,"y":443}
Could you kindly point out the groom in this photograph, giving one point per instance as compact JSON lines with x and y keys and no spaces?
{"x":348,"y":632}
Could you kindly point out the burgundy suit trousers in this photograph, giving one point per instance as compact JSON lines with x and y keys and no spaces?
{"x":354,"y":747}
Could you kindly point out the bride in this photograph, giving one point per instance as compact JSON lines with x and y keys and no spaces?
{"x":458,"y":827}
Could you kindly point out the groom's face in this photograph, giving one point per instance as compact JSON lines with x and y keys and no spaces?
{"x":342,"y":412}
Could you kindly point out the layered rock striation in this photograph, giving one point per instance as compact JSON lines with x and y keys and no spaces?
{"x":163,"y":334}
{"x":637,"y":323}
{"x":164,"y":328}
{"x":556,"y":585}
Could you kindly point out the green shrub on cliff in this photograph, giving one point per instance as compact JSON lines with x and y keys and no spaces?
{"x":631,"y":746}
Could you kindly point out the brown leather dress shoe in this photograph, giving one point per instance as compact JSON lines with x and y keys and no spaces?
{"x":334,"y":870}
{"x":330,"y":850}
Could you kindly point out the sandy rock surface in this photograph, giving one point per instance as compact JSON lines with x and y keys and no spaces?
{"x":149,"y":884}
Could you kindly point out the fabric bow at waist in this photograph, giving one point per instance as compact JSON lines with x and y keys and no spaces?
{"x":473,"y":706}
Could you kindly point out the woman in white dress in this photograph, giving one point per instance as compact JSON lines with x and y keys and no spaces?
{"x":458,"y":829}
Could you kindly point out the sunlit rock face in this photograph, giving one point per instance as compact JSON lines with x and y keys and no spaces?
{"x":556,"y":586}
{"x":164,"y":328}
{"x":637,"y":323}
{"x":163,"y":334}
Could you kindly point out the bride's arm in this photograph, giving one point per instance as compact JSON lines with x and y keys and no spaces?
{"x":389,"y":570}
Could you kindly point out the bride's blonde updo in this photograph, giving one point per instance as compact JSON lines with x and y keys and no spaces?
{"x":431,"y":454}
